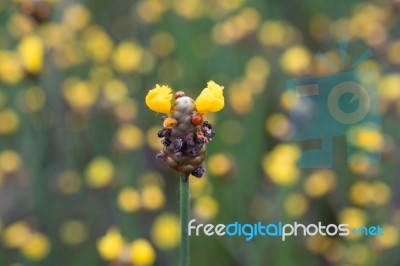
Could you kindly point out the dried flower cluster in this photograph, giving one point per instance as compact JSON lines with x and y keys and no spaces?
{"x":184,"y":132}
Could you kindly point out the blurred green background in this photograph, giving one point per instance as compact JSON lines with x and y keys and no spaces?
{"x":79,"y":182}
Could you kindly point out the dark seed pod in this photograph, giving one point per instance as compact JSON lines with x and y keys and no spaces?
{"x":185,"y":143}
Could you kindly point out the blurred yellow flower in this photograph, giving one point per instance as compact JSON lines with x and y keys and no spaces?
{"x":142,"y":253}
{"x":281,"y":174}
{"x":189,"y":9}
{"x":165,"y":231}
{"x":128,"y":199}
{"x":219,"y":164}
{"x":31,"y":51}
{"x":382,"y":193}
{"x":130,"y":137}
{"x":389,"y":87}
{"x":150,"y":11}
{"x":10,"y":161}
{"x":80,"y":95}
{"x":319,"y":183}
{"x":115,"y":91}
{"x":127,"y":57}
{"x":390,"y":237}
{"x":97,"y":43}
{"x":361,"y":193}
{"x":159,"y":99}
{"x":10,"y":68}
{"x":73,"y":232}
{"x":205,"y":208}
{"x":354,"y":217}
{"x":278,"y":126}
{"x":16,"y":234}
{"x":36,"y":247}
{"x":76,"y":16}
{"x":9,"y":121}
{"x":211,"y":99}
{"x":20,"y":24}
{"x":273,"y":33}
{"x":110,"y":245}
{"x":100,"y":172}
{"x":369,"y":139}
{"x":296,"y":205}
{"x":295,"y":59}
{"x":69,"y":182}
{"x":280,"y":164}
{"x":152,"y":197}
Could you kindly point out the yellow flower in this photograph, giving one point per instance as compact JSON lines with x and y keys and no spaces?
{"x":128,"y":200}
{"x":9,"y":121}
{"x":127,"y":57}
{"x":100,"y":172}
{"x":211,"y":99}
{"x":110,"y":245}
{"x":159,"y":99}
{"x":153,"y":197}
{"x":142,"y":253}
{"x":165,"y":231}
{"x":37,"y":247}
{"x":16,"y":234}
{"x":31,"y":50}
{"x":206,"y":208}
{"x":76,"y":17}
{"x":11,"y":71}
{"x":10,"y":161}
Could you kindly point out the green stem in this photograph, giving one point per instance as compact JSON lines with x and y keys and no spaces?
{"x":185,"y":214}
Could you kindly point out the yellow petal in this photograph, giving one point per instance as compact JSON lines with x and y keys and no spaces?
{"x":159,"y":99}
{"x":211,"y":99}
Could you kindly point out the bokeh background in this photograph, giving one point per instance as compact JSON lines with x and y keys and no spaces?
{"x":79,"y":182}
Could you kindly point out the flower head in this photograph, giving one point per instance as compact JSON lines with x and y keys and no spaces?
{"x":185,"y":133}
{"x":211,"y":99}
{"x":159,"y":99}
